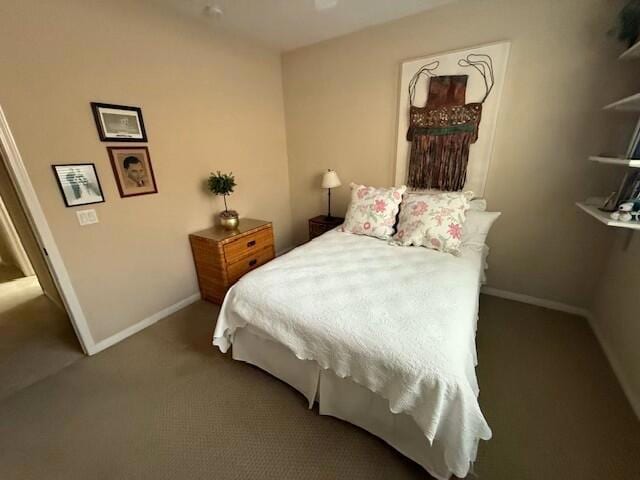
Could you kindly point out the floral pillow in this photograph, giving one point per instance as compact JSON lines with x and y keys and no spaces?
{"x":373,"y":211}
{"x":433,"y":221}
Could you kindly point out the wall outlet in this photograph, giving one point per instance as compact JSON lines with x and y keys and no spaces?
{"x":87,"y":217}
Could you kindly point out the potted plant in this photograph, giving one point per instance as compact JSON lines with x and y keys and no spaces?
{"x":628,"y":27}
{"x":222,"y":184}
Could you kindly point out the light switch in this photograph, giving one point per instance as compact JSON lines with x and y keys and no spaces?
{"x":87,"y":217}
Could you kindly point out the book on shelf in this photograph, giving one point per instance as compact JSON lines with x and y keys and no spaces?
{"x":629,"y":191}
{"x":633,"y":151}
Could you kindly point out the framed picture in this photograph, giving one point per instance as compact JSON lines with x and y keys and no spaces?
{"x":78,"y":183}
{"x":133,"y":171}
{"x":119,"y":123}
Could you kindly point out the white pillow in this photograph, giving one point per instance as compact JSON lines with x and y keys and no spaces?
{"x":476,"y":228}
{"x":478,"y":204}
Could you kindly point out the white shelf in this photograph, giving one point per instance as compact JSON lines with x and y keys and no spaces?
{"x":623,"y":162}
{"x":604,"y":217}
{"x":631,"y":53}
{"x":628,"y":104}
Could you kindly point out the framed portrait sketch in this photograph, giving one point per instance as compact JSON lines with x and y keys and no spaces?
{"x":133,"y":171}
{"x":119,"y":123}
{"x":78,"y":184}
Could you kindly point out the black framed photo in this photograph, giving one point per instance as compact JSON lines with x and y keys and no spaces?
{"x":119,"y":123}
{"x":79,"y":183}
{"x":133,"y":171}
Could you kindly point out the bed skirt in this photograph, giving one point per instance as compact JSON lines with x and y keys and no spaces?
{"x":340,"y":398}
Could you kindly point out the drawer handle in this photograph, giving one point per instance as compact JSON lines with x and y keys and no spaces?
{"x":251,"y":243}
{"x":253,"y":262}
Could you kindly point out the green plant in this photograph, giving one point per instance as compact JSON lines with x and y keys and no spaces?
{"x":628,"y":27}
{"x":222,"y":184}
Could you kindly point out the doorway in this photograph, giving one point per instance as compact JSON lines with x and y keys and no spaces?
{"x":37,"y":338}
{"x":14,"y":261}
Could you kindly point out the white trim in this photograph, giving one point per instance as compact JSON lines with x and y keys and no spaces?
{"x":539,"y":302}
{"x":619,"y":372}
{"x":42,"y":232}
{"x":147,"y":322}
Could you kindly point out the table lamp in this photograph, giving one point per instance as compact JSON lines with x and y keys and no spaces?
{"x":330,"y":180}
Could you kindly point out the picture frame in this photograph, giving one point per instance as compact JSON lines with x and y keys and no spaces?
{"x":119,"y":123}
{"x":79,"y":183}
{"x":133,"y":171}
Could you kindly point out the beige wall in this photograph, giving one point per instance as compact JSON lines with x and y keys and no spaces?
{"x":209,"y":102}
{"x":341,"y":110}
{"x":616,"y":318}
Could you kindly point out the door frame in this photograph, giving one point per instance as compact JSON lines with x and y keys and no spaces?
{"x":38,"y":222}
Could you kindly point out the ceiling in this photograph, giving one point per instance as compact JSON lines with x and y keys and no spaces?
{"x":288,"y":24}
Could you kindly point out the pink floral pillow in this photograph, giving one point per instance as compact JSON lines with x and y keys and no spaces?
{"x":373,"y":211}
{"x":433,"y":221}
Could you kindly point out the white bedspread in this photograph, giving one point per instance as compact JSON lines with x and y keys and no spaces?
{"x":400,"y":321}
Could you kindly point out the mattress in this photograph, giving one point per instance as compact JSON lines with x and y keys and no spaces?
{"x":398,"y":321}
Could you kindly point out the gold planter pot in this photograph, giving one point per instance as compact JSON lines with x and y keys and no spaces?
{"x":230,"y":222}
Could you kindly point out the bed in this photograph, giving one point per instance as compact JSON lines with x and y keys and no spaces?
{"x":380,"y":336}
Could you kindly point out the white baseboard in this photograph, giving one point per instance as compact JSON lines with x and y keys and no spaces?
{"x":623,"y":379}
{"x":127,"y":332}
{"x":540,"y":302}
{"x":133,"y":329}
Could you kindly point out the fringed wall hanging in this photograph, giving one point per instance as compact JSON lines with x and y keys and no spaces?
{"x":442,"y":131}
{"x":448,"y":109}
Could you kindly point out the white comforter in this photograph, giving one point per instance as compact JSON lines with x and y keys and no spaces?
{"x":400,"y":321}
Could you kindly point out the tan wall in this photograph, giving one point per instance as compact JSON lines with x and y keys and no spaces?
{"x":341,"y":111}
{"x":616,"y":317}
{"x":209,"y":102}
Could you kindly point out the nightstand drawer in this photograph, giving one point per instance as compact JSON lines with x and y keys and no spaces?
{"x":222,"y":256}
{"x":315,"y":230}
{"x":235,"y":250}
{"x":321,"y":224}
{"x":237,"y":269}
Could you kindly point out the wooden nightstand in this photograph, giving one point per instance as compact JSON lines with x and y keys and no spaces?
{"x":223,"y":256}
{"x":320,"y":224}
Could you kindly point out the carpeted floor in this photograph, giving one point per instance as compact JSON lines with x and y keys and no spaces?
{"x":36,"y":337}
{"x":165,"y":404}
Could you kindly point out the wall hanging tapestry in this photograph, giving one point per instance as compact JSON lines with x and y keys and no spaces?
{"x":434,"y":140}
{"x":442,"y":131}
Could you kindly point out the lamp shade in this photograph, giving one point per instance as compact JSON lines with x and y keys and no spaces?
{"x":330,"y":179}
